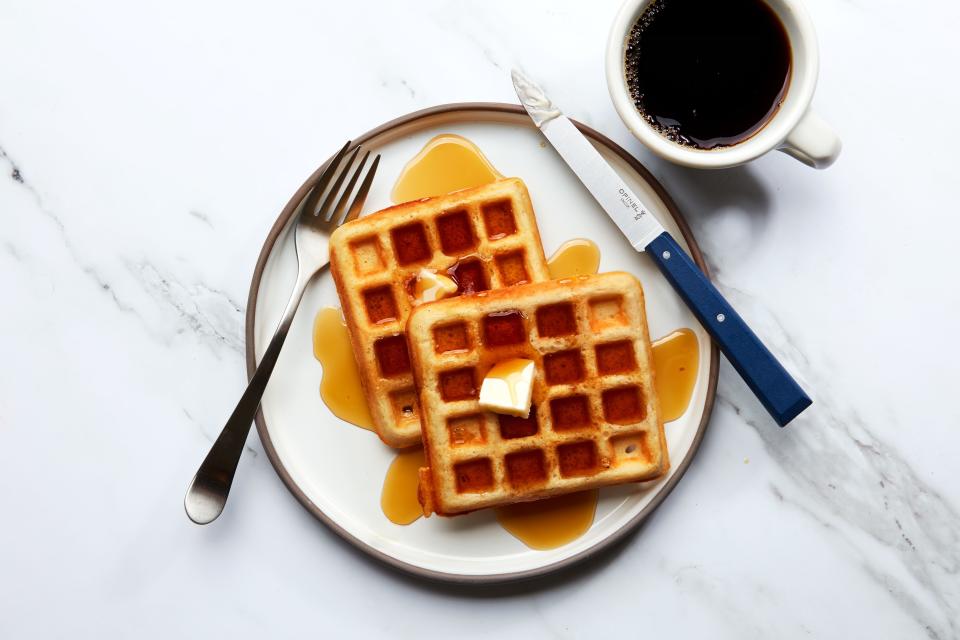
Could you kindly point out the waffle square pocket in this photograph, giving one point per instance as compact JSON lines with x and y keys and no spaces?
{"x":594,"y":420}
{"x":482,"y":239}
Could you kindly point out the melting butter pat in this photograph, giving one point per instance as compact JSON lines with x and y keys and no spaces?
{"x":508,"y":387}
{"x":432,"y":286}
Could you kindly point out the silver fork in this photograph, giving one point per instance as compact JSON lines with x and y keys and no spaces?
{"x":210,"y":487}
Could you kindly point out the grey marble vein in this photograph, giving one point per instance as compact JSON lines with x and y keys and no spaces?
{"x":452,"y":21}
{"x":715,"y":592}
{"x":489,"y":56}
{"x":207,"y":312}
{"x":15,"y":174}
{"x":87,"y":268}
{"x":842,"y":467}
{"x":714,"y":268}
{"x":849,"y":474}
{"x":904,"y":598}
{"x":202,"y":217}
{"x":837,"y":461}
{"x":12,"y":251}
{"x":390,"y":82}
{"x":105,"y":286}
{"x":211,"y":314}
{"x":211,"y":438}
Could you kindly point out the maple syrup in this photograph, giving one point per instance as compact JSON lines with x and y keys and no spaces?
{"x":502,"y":328}
{"x":578,"y":257}
{"x":459,"y":384}
{"x":517,"y":427}
{"x":551,"y":523}
{"x":563,"y":367}
{"x":526,"y":468}
{"x":410,"y":244}
{"x":447,"y":162}
{"x":676,"y":359}
{"x":455,"y":233}
{"x":380,"y":305}
{"x":571,"y":412}
{"x":474,"y":476}
{"x":512,"y":268}
{"x":498,"y":219}
{"x":340,"y":386}
{"x":392,"y":355}
{"x":556,"y":320}
{"x":429,"y":287}
{"x":578,"y":459}
{"x":508,"y":387}
{"x":451,"y":337}
{"x":615,"y":357}
{"x":623,"y":405}
{"x":469,"y":276}
{"x":399,"y":497}
{"x":509,"y":368}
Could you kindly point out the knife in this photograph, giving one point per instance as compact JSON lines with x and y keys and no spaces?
{"x":770,"y":382}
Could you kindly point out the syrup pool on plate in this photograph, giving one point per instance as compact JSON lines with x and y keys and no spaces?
{"x":399,"y":497}
{"x":676,"y":356}
{"x":447,"y":162}
{"x":577,"y":257}
{"x":550,"y":523}
{"x":340,"y":387}
{"x":676,"y":360}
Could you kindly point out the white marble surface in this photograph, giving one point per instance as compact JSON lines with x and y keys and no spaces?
{"x":145,"y":151}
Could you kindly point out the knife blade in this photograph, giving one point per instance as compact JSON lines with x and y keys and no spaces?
{"x":776,"y":389}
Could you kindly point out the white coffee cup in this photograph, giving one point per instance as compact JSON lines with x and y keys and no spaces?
{"x":794,"y":129}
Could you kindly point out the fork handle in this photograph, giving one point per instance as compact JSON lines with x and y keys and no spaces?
{"x":210,"y":487}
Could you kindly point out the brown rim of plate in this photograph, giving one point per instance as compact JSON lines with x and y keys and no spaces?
{"x":406,"y":121}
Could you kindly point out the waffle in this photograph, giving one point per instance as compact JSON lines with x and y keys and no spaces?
{"x":484,"y":238}
{"x":595,"y":418}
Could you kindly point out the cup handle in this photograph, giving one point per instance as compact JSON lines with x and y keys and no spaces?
{"x":812,"y":142}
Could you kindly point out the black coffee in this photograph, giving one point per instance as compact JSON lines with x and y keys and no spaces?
{"x":708,"y":73}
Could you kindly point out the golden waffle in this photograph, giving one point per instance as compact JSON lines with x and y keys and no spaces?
{"x":595,"y":418}
{"x":484,"y":238}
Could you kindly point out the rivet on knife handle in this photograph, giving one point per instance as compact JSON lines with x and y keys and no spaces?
{"x":775,"y":388}
{"x":773,"y":385}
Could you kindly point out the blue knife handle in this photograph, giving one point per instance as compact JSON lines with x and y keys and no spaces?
{"x":776,"y":389}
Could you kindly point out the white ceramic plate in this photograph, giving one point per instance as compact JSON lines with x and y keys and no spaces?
{"x":336,"y":470}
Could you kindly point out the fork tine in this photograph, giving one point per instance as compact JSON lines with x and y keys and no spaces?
{"x":320,"y":186}
{"x":362,"y":193}
{"x":324,"y":211}
{"x":342,"y":203}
